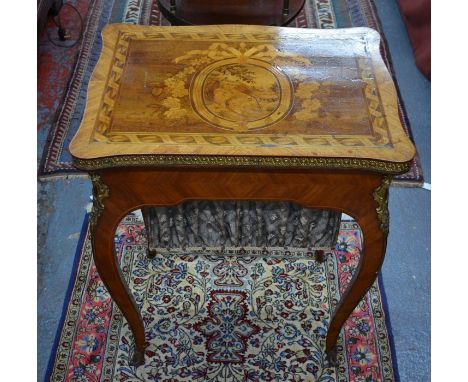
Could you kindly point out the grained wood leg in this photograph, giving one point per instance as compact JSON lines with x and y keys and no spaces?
{"x":105,"y":217}
{"x":374,"y":226}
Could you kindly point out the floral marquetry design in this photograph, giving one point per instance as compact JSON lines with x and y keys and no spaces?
{"x":231,"y":87}
{"x":242,"y":97}
{"x":241,"y":91}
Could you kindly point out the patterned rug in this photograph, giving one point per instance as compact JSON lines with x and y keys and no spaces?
{"x":56,"y":158}
{"x":221,"y":318}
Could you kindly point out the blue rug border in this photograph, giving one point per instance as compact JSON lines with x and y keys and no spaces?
{"x":388,"y":324}
{"x":71,"y":283}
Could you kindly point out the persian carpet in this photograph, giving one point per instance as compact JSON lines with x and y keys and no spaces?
{"x":221,"y":318}
{"x":56,"y":158}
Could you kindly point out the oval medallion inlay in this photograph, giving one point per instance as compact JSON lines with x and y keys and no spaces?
{"x":241,"y":94}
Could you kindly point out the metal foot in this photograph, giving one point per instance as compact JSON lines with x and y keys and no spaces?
{"x":151,"y":253}
{"x":320,"y":256}
{"x":138,"y":358}
{"x":332,"y":358}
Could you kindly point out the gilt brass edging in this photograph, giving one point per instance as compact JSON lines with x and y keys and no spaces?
{"x":232,"y":161}
{"x":100,"y":193}
{"x":381,"y":197}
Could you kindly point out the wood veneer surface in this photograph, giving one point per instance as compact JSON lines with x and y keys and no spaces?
{"x":237,"y":90}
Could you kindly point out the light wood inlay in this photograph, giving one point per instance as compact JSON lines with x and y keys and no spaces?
{"x":241,"y":91}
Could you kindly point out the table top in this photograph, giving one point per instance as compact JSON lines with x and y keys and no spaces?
{"x":240,"y":95}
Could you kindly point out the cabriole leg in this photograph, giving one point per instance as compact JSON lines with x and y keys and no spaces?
{"x":374,"y":223}
{"x":103,"y":222}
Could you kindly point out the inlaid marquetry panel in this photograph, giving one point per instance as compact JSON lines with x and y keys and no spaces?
{"x":241,"y":91}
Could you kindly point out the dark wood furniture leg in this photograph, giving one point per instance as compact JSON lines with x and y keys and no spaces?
{"x":373,"y":222}
{"x":103,"y":223}
{"x":361,"y":195}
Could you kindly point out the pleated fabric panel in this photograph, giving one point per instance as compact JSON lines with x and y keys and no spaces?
{"x":240,"y":224}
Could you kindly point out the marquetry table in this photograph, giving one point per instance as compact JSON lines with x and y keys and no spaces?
{"x":241,"y":113}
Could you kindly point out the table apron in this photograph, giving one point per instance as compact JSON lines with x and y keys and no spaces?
{"x":345,"y":191}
